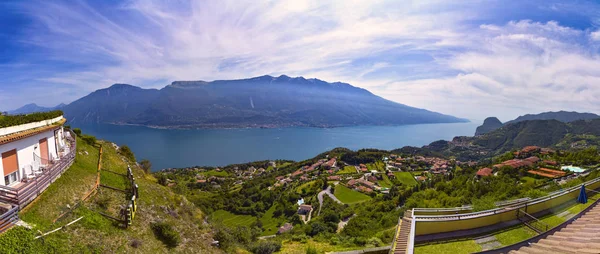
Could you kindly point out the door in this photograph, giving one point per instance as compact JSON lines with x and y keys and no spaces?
{"x":11,"y":166}
{"x":44,"y":150}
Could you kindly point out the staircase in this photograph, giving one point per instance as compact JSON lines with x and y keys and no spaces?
{"x":581,"y":236}
{"x":402,"y":238}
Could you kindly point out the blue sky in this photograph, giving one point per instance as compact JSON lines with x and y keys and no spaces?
{"x":466,"y":58}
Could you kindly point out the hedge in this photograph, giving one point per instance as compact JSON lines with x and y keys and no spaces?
{"x":13,"y":120}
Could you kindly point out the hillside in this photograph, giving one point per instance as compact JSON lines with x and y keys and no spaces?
{"x":543,"y":133}
{"x":563,"y":116}
{"x":492,"y":123}
{"x":264,"y":101}
{"x":96,"y":233}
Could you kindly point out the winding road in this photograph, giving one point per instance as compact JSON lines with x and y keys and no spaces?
{"x":320,"y":197}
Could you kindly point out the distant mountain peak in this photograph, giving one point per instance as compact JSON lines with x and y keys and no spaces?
{"x":489,"y":124}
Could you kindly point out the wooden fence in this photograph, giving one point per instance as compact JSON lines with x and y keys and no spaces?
{"x":132,"y":201}
{"x":8,"y":219}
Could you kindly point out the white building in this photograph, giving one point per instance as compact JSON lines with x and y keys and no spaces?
{"x":29,"y":149}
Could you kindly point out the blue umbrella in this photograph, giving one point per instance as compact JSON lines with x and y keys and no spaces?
{"x":582,"y":195}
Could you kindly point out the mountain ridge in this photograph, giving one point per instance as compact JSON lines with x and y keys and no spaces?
{"x":263,"y":101}
{"x":490,"y":124}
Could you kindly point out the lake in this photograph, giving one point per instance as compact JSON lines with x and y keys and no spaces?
{"x":217,"y":147}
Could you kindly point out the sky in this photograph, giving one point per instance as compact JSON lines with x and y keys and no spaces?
{"x":470,"y":59}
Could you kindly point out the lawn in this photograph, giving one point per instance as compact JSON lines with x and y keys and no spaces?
{"x":305,"y":186}
{"x":347,"y":170}
{"x":406,"y":178}
{"x":468,"y":246}
{"x":515,"y":235}
{"x":233,"y":220}
{"x":270,"y":224}
{"x":386,"y":183}
{"x":348,"y":196}
{"x":215,"y":173}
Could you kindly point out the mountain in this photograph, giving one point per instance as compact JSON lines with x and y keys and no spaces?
{"x":563,"y":116}
{"x":32,"y":107}
{"x":543,"y":133}
{"x":489,"y":124}
{"x":264,"y":101}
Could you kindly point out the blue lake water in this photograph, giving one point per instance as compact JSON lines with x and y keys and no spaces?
{"x":218,"y":147}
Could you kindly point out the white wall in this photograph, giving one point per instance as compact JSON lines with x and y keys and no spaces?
{"x":25,"y":150}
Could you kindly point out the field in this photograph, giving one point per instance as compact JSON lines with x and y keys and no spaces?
{"x":215,"y":173}
{"x":377,"y":166}
{"x":305,"y":187}
{"x":270,"y":224}
{"x":347,"y":170}
{"x":405,"y":178}
{"x":348,"y":196}
{"x":386,"y":183}
{"x":232,"y":220}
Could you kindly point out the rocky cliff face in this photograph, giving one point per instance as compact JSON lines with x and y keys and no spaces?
{"x":489,"y":124}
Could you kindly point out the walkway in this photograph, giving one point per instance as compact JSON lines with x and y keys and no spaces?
{"x":581,"y":236}
{"x":402,"y":238}
{"x":320,"y":198}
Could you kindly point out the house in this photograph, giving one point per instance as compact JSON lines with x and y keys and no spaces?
{"x":352,"y":182}
{"x":201,"y":181}
{"x":532,"y":159}
{"x":391,"y":175}
{"x":285,"y":228}
{"x":372,"y":178}
{"x":304,"y":209}
{"x":32,"y":152}
{"x":365,"y":189}
{"x":549,"y":162}
{"x":333,"y":178}
{"x":484,"y":172}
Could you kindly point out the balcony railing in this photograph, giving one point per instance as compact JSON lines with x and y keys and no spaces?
{"x":25,"y":192}
{"x":9,"y":218}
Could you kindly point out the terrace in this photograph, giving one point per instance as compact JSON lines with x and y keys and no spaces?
{"x":40,"y":176}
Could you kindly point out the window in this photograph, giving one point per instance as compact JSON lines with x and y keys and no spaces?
{"x":11,"y":178}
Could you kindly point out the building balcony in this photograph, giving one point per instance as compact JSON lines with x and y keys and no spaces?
{"x":37,"y":177}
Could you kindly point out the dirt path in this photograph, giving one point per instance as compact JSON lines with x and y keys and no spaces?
{"x":344,"y":222}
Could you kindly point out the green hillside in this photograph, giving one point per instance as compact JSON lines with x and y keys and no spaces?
{"x":96,"y":233}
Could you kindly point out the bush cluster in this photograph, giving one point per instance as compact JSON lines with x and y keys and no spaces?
{"x":166,"y":233}
{"x":13,"y":120}
{"x":90,"y":140}
{"x":125,"y":151}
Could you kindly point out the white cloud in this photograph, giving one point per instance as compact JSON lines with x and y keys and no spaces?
{"x":429,"y":54}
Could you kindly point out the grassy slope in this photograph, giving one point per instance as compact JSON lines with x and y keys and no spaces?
{"x":386,"y":183}
{"x":347,"y":170}
{"x":348,"y":196}
{"x":406,"y":178}
{"x":95,"y":233}
{"x":270,"y":223}
{"x":233,"y":220}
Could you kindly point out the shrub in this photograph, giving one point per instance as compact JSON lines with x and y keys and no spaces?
{"x":162,"y":179}
{"x":135,"y":243}
{"x":166,"y":233}
{"x":265,"y":247}
{"x":7,"y":121}
{"x":90,"y":140}
{"x":77,"y":131}
{"x":125,"y":151}
{"x":311,"y":250}
{"x":146,"y":165}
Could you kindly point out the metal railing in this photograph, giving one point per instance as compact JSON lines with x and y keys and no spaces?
{"x":503,"y":209}
{"x":532,"y":222}
{"x":27,"y":191}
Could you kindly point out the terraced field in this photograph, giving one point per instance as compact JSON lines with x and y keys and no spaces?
{"x":233,"y":220}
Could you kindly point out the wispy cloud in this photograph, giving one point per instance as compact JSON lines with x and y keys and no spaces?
{"x":456,"y":58}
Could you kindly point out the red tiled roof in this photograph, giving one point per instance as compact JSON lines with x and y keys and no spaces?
{"x":485,"y":172}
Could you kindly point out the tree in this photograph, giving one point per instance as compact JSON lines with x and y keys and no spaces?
{"x":146,"y":165}
{"x":125,"y":151}
{"x":77,"y":131}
